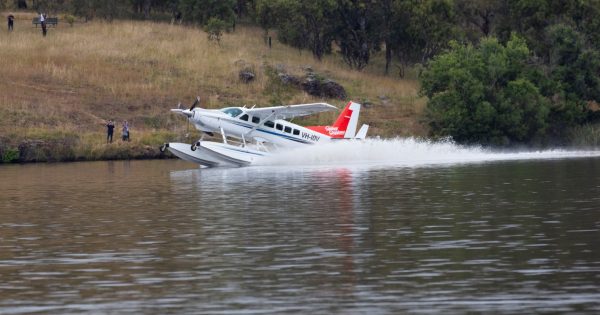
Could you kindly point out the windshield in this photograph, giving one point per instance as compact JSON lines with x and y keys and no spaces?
{"x":232,"y":111}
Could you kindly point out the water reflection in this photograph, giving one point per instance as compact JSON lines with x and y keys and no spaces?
{"x":161,"y":237}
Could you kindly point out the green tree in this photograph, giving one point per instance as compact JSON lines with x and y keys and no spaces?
{"x":359,"y":31}
{"x":306,"y":24}
{"x":391,"y":23}
{"x":418,"y":30}
{"x":90,"y":9}
{"x":483,"y":94}
{"x":265,"y":14}
{"x":200,"y":11}
{"x":571,"y":76}
{"x":479,"y":18}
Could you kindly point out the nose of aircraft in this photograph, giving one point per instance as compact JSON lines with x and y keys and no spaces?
{"x":186,"y":112}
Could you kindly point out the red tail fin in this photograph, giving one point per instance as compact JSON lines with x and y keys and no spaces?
{"x":339,"y":128}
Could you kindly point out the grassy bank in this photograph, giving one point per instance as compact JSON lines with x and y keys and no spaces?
{"x":57,"y":91}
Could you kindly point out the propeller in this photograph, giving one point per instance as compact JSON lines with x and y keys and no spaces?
{"x":187,"y":112}
{"x":196,"y":102}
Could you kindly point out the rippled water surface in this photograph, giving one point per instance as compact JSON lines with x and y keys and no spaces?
{"x":158,"y":237}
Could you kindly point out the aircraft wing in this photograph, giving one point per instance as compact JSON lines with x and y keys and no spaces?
{"x":290,"y":111}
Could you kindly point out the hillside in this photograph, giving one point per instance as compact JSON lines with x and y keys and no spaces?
{"x":57,"y":91}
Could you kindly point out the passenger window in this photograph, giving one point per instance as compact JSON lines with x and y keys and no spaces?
{"x":270,"y":124}
{"x":279,"y":127}
{"x":244,"y":117}
{"x":255,"y":119}
{"x":296,"y":132}
{"x":288,"y":129}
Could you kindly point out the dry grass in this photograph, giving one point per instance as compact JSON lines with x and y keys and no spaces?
{"x":76,"y":77}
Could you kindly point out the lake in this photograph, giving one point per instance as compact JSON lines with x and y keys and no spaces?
{"x":510,"y":233}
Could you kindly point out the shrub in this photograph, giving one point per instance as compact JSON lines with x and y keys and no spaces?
{"x":10,"y":155}
{"x":215,"y":28}
{"x":69,"y":19}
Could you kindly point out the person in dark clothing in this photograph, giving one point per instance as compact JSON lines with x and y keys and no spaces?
{"x":11,"y":22}
{"x":110,"y":127}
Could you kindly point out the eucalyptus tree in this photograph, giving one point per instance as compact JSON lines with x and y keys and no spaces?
{"x":359,"y":30}
{"x":415,"y":31}
{"x":304,"y":24}
{"x":200,"y":11}
{"x":90,"y":9}
{"x":481,"y":18}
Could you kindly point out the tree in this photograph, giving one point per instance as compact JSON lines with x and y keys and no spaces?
{"x":390,"y":24}
{"x":265,"y":15}
{"x":479,"y":17}
{"x":357,"y":33}
{"x":417,"y":30}
{"x":305,"y":24}
{"x":90,"y":9}
{"x":572,"y":75}
{"x":143,"y":6}
{"x":484,"y":95}
{"x":200,"y":11}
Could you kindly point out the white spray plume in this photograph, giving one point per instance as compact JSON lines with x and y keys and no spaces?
{"x":409,"y":152}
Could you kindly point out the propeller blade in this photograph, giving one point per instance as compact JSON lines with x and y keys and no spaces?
{"x":196,"y":102}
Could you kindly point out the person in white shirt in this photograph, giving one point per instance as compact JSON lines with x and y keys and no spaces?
{"x":43,"y":22}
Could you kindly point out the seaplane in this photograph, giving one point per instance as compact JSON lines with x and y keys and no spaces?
{"x":257,"y":133}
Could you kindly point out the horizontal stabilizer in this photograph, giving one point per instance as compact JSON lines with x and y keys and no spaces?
{"x":362,"y":132}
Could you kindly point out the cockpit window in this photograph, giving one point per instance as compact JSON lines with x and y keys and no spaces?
{"x":232,"y":111}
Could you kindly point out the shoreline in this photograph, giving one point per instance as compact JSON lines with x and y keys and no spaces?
{"x":73,"y":149}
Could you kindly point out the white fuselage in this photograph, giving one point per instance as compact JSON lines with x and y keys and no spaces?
{"x":238,"y":124}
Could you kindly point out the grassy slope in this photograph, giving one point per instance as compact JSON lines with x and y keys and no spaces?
{"x":60,"y":89}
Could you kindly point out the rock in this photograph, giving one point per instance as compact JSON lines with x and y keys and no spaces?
{"x":307,"y":68}
{"x":323,"y":87}
{"x":385,"y":101}
{"x":280,"y":68}
{"x":289,"y":79}
{"x":334,"y":90}
{"x":247,"y":75}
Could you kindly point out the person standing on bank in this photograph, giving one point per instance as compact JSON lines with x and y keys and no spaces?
{"x":43,"y":22}
{"x":125,"y":131}
{"x":11,"y":22}
{"x":110,"y":127}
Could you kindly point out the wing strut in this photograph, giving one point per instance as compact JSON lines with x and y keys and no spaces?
{"x":224,"y":137}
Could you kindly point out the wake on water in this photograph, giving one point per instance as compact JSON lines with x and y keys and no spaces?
{"x":409,"y":152}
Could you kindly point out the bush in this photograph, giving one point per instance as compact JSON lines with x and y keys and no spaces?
{"x":215,"y":28}
{"x":69,"y":19}
{"x":10,"y":155}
